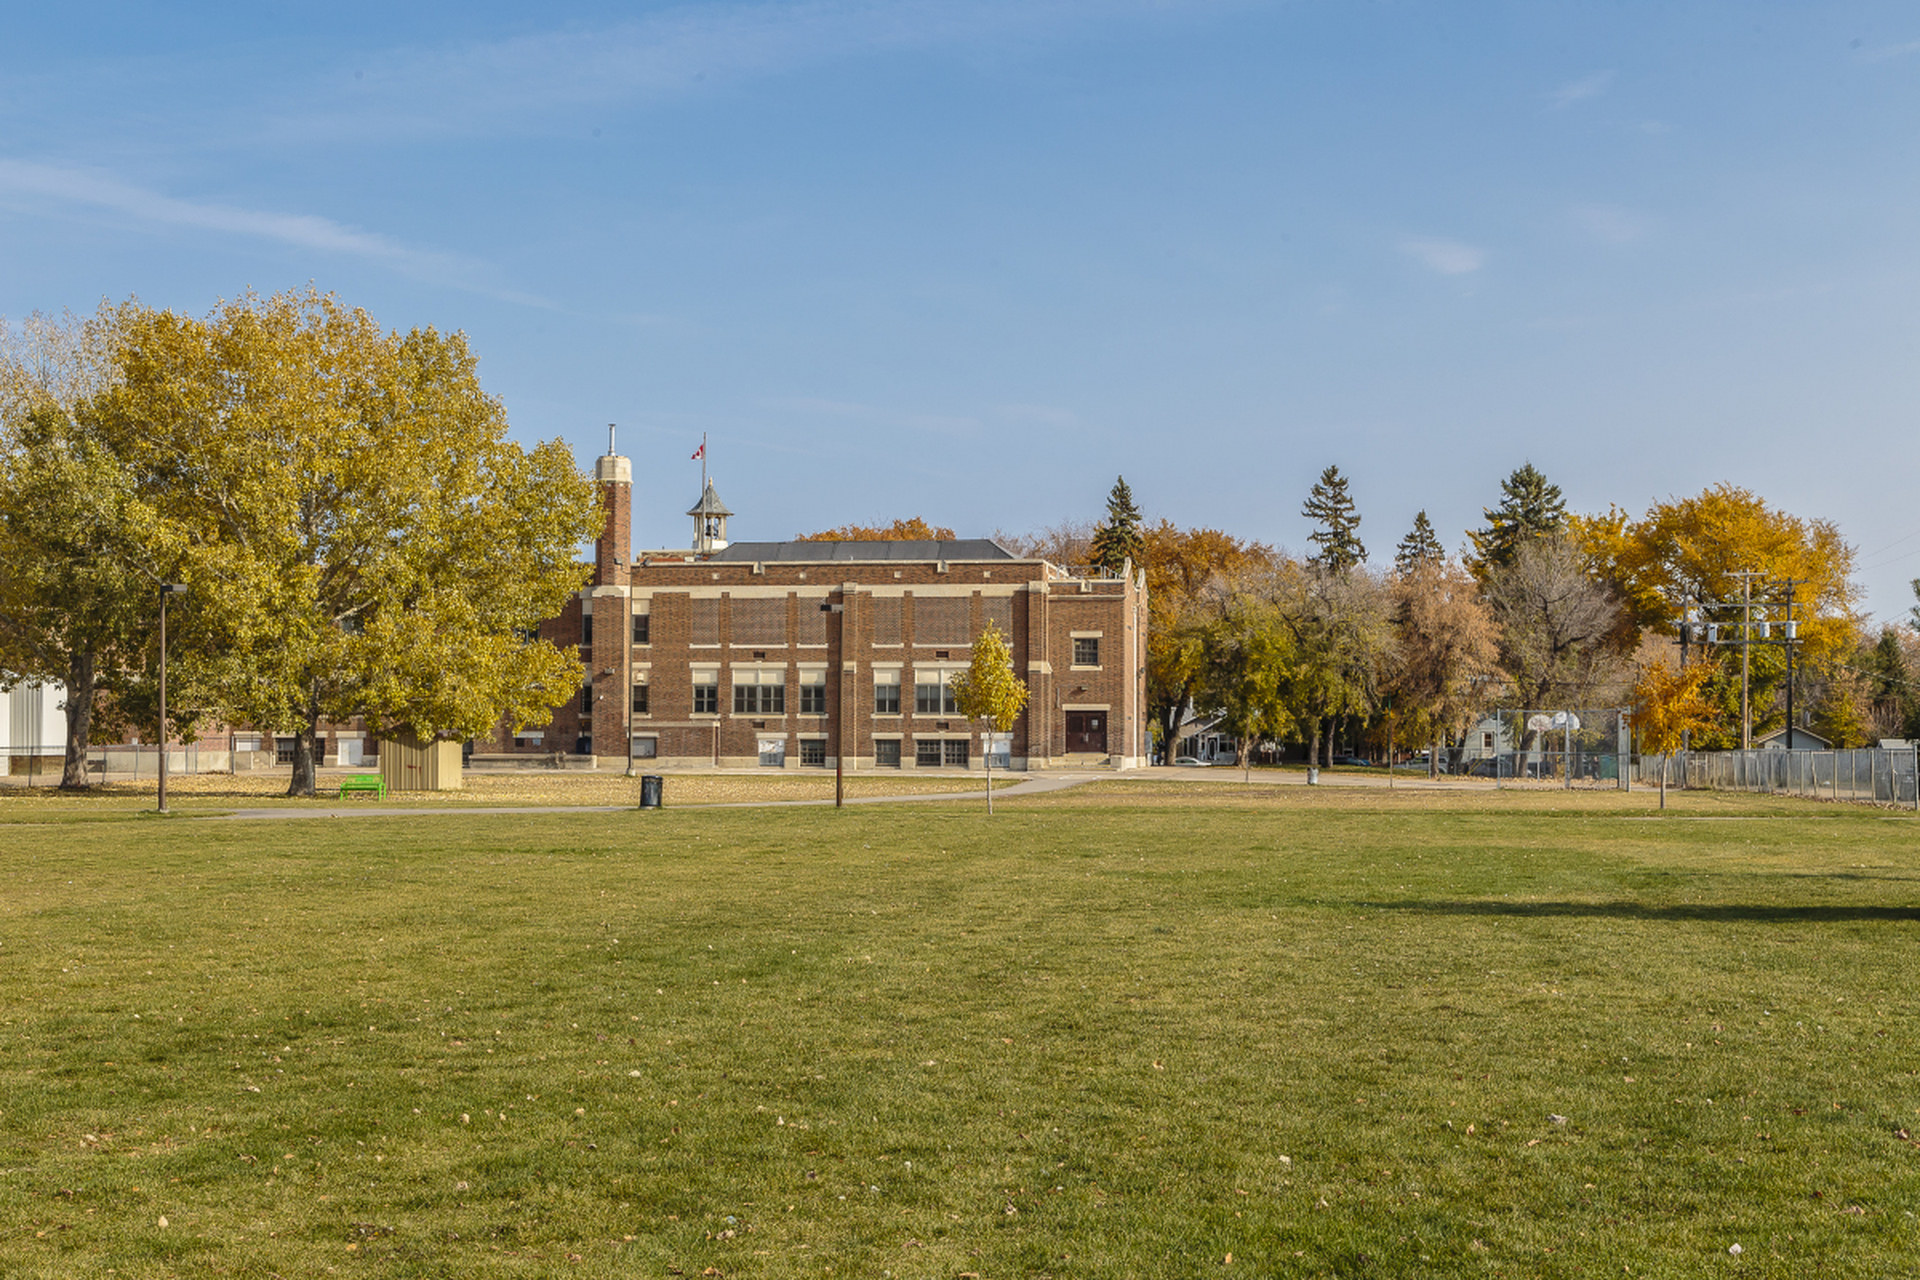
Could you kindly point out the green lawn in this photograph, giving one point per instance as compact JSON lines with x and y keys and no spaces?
{"x":1105,"y":1033}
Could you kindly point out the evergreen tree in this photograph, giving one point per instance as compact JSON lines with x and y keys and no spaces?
{"x":1329,"y":506}
{"x":1529,"y":507}
{"x":1419,"y":547}
{"x":1119,"y":539}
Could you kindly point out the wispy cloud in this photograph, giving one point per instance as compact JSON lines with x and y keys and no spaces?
{"x":523,"y":81}
{"x":1589,"y":86}
{"x":1888,"y":52}
{"x":98,"y":189}
{"x":1448,"y":257}
{"x":1611,"y":224}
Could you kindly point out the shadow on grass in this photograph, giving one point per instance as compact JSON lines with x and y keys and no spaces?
{"x":1732,"y":912}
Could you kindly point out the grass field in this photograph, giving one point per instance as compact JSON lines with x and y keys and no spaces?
{"x":1109,"y":1032}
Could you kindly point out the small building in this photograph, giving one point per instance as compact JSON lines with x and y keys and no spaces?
{"x":806,"y":654}
{"x":1489,"y":738}
{"x":1804,"y":739}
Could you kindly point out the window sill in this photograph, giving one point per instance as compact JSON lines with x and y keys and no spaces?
{"x":1085,"y":668}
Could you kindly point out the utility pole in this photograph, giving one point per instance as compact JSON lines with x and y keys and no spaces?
{"x":1710,"y":636}
{"x":1790,"y":634}
{"x":166,"y":590}
{"x":1746,"y":577}
{"x":841,"y":715}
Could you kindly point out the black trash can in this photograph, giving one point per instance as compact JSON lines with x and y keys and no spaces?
{"x":652,"y":785}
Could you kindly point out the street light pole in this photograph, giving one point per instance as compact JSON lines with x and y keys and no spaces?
{"x":839,"y":718}
{"x":166,"y":589}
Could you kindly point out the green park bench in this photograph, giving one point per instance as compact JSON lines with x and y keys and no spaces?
{"x":365,"y":782}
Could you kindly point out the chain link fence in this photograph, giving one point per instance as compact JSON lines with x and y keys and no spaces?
{"x":1874,"y":775}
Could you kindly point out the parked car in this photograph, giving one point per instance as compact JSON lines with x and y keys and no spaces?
{"x":1191,"y":762}
{"x":1353,"y":761}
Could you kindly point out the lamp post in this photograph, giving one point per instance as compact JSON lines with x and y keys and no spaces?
{"x":166,"y":589}
{"x":839,"y":721}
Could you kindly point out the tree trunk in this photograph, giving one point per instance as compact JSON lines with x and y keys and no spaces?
{"x":1663,"y":781}
{"x":1169,"y":727}
{"x":989,"y":759}
{"x":79,"y":709}
{"x":1433,"y":759}
{"x":306,"y":756}
{"x":1313,"y":744}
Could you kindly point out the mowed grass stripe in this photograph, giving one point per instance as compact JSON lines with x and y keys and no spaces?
{"x":1097,"y":1039}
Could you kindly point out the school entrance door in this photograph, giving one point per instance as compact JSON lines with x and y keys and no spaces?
{"x":1086,"y":732}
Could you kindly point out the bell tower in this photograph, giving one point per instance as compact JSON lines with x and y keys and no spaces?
{"x":709,"y":521}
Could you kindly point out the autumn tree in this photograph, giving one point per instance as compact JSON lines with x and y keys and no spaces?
{"x":1342,"y":642}
{"x":912,"y":529}
{"x":1118,"y":541}
{"x":1246,"y":663}
{"x":1448,"y":649}
{"x":1529,"y":507}
{"x":1337,"y":522}
{"x":82,"y":548}
{"x":1668,"y":705}
{"x":1419,"y":547}
{"x":1066,"y":542}
{"x":1686,"y":551}
{"x":361,"y":538}
{"x":1560,"y":642}
{"x":1188,"y":574}
{"x":990,"y":692}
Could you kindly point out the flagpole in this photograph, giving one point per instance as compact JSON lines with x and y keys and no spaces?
{"x":703,"y":464}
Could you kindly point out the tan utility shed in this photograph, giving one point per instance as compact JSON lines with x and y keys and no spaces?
{"x":410,"y":764}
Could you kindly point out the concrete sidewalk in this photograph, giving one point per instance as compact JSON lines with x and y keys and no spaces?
{"x":1028,"y":787}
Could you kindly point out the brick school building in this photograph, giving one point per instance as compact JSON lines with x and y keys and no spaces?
{"x":787,"y":655}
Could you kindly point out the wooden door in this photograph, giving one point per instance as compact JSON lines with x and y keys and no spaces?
{"x":1086,"y":732}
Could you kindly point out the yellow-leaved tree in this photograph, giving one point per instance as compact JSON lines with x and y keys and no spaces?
{"x":359,"y":536}
{"x":989,"y":691}
{"x":1668,"y":704}
{"x":1688,"y":550}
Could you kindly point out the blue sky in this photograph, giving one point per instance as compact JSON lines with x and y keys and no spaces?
{"x":970,"y":259}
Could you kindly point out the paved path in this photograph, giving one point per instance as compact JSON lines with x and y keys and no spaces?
{"x":1029,"y":787}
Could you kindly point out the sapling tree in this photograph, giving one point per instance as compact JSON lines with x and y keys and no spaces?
{"x":989,"y":691}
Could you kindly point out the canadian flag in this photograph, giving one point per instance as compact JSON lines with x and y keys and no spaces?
{"x":699,"y":453}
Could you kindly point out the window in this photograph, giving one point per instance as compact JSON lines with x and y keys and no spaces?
{"x":760,"y":693}
{"x":640,"y":698}
{"x":646,"y":748}
{"x":926,"y":754}
{"x":586,"y":698}
{"x":932,"y":695}
{"x":1086,"y":651}
{"x":586,"y":628}
{"x":886,"y":753}
{"x":813,"y":751}
{"x":954,"y":752}
{"x":886,"y":694}
{"x":706,"y":693}
{"x":773,"y":753}
{"x":642,"y":628}
{"x":813,"y":694}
